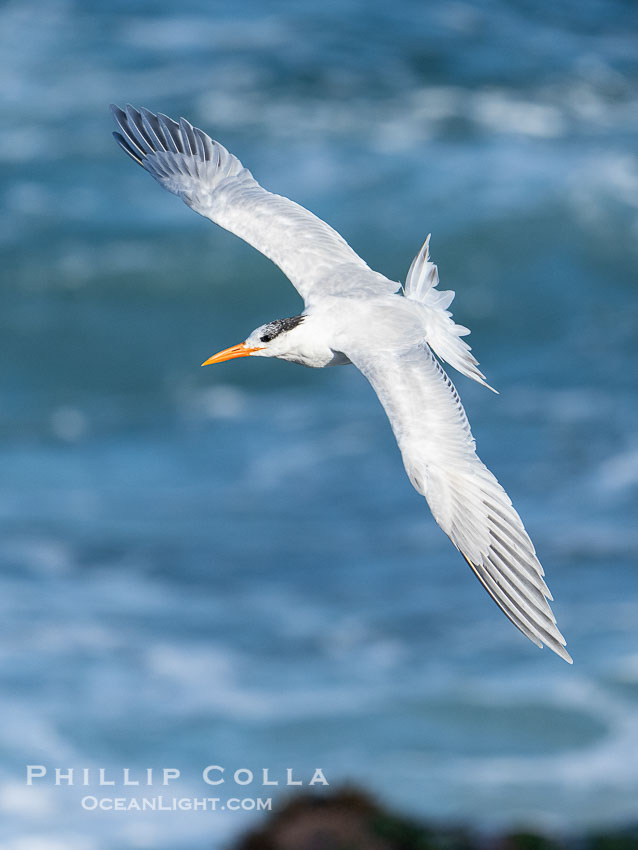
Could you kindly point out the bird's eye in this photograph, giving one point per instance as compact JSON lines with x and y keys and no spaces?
{"x":271,"y":330}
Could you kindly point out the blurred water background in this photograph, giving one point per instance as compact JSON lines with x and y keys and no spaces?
{"x":228,"y":565}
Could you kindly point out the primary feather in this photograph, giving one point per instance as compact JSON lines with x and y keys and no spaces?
{"x":216,"y":185}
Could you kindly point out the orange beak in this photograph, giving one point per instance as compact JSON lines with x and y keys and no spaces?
{"x":241,"y":350}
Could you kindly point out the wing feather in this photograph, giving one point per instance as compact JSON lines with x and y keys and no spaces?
{"x":466,"y":500}
{"x":215,"y":184}
{"x":152,"y":128}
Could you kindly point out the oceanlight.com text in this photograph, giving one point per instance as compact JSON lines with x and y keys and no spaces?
{"x":173,"y":804}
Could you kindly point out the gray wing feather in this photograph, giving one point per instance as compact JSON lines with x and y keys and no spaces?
{"x":466,"y":500}
{"x":215,"y":184}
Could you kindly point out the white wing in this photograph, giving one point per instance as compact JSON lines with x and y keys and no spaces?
{"x":215,"y":184}
{"x":466,"y":500}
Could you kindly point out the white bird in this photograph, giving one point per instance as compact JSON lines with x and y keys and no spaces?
{"x":394,"y":335}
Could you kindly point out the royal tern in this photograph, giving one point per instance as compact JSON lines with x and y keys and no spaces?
{"x":395,"y":335}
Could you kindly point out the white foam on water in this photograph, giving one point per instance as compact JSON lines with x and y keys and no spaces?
{"x":69,"y":423}
{"x":619,"y":473}
{"x":190,"y":32}
{"x":42,"y":841}
{"x":221,"y":401}
{"x":19,"y":799}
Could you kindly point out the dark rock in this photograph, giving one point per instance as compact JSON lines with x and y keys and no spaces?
{"x":347,"y":820}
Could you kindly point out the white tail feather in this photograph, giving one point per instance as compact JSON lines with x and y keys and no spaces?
{"x":442,"y":334}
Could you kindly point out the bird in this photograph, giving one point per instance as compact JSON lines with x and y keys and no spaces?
{"x":398,"y":336}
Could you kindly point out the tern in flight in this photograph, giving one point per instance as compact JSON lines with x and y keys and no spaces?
{"x":396,"y":336}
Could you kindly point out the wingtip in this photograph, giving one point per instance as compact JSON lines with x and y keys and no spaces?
{"x":564,"y":655}
{"x":553,"y":641}
{"x":127,"y":148}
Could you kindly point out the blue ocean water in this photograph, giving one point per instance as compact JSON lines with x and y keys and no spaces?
{"x":228,"y":566}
